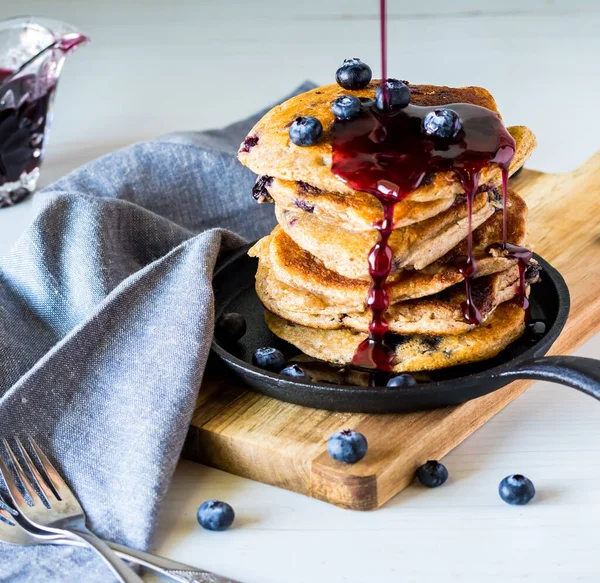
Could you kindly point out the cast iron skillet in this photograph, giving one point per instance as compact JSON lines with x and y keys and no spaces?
{"x":234,"y":292}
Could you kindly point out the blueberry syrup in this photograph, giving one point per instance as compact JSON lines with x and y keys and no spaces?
{"x":523,"y":257}
{"x":22,"y":126}
{"x":383,"y":36}
{"x":387,"y":154}
{"x":23,"y":118}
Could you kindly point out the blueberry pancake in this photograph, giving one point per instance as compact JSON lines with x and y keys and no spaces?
{"x":439,"y":314}
{"x":358,"y":211}
{"x":297,"y":268}
{"x":413,"y":352}
{"x":413,"y":247}
{"x":268,"y":150}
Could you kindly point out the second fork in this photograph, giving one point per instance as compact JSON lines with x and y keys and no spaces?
{"x":65,"y":515}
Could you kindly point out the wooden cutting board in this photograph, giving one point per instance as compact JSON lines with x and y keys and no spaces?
{"x":258,"y":437}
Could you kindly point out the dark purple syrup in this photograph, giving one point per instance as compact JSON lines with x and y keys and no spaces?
{"x":523,"y":257}
{"x":22,"y":126}
{"x":387,"y":154}
{"x":24,"y":103}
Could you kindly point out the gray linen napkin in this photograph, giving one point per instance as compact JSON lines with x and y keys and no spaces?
{"x":106,"y":317}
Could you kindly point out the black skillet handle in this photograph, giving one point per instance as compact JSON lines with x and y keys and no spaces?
{"x":574,"y":371}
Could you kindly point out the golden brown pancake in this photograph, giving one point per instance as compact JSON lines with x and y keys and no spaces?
{"x":355,"y":213}
{"x":299,"y":269}
{"x":268,"y":150}
{"x":413,"y":247}
{"x":439,"y":314}
{"x":414,"y":352}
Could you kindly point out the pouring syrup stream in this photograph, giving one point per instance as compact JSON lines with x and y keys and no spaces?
{"x":387,"y":154}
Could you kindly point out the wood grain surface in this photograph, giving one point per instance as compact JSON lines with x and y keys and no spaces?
{"x":258,"y":437}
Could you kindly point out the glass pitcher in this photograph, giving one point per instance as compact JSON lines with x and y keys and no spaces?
{"x":32,"y":53}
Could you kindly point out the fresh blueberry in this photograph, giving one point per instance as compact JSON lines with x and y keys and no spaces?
{"x":305,"y":131}
{"x":516,"y":489}
{"x":536,"y":330}
{"x":346,"y":107}
{"x":215,"y":515}
{"x":230,"y":327}
{"x":398,"y":94}
{"x":347,"y":446}
{"x":353,"y":74}
{"x":269,"y":358}
{"x":432,"y":474}
{"x":294,"y":371}
{"x":402,"y":380}
{"x":442,"y":123}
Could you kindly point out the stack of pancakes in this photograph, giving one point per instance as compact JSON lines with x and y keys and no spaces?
{"x":313,"y":275}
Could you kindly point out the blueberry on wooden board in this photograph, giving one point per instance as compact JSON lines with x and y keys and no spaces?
{"x":347,"y":446}
{"x":432,"y":474}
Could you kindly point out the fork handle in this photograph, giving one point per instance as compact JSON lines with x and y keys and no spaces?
{"x":119,"y":568}
{"x":173,"y":569}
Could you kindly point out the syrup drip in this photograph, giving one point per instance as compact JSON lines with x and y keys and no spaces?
{"x":522,"y":256}
{"x":383,"y":32}
{"x":387,"y":154}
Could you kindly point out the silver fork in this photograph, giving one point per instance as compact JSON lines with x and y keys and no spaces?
{"x":15,"y":533}
{"x":65,"y":516}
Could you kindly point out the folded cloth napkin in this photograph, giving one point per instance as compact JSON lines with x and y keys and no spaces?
{"x":106,"y":318}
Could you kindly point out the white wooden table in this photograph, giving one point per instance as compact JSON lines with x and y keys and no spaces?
{"x":157,"y":67}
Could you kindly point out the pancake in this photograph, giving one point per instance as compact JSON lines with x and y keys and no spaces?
{"x":268,"y":150}
{"x":355,"y":213}
{"x":439,"y":314}
{"x":413,"y":247}
{"x":299,"y":269}
{"x":415,"y":352}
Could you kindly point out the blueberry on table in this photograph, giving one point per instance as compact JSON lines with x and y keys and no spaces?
{"x":305,"y":131}
{"x":516,"y":490}
{"x":294,"y":371}
{"x":402,"y":380}
{"x":398,"y":95}
{"x":346,"y":107}
{"x":442,"y":123}
{"x":269,"y":358}
{"x":353,"y":74}
{"x":215,"y":515}
{"x":432,"y":474}
{"x":347,"y":446}
{"x":230,"y":327}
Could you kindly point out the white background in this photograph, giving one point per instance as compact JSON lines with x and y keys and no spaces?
{"x":159,"y":66}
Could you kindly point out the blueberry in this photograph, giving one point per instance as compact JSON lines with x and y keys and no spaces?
{"x":230,"y":327}
{"x":353,"y":74}
{"x":432,"y":474}
{"x":269,"y":358}
{"x":294,"y":371}
{"x":347,"y":446}
{"x":516,"y":490}
{"x":402,"y":380}
{"x":536,"y":330}
{"x":442,"y":123}
{"x":346,"y":107}
{"x":398,"y":94}
{"x":215,"y":515}
{"x":305,"y":131}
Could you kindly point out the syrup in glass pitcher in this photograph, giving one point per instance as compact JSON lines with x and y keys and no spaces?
{"x":32,"y":53}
